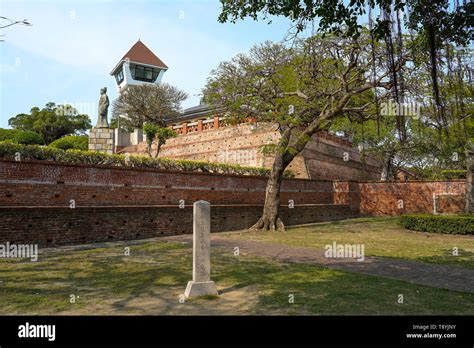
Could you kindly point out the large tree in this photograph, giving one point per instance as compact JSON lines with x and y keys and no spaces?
{"x":302,"y":89}
{"x":151,"y":103}
{"x":431,"y":144}
{"x":440,"y":18}
{"x":434,"y":22}
{"x":52,"y":122}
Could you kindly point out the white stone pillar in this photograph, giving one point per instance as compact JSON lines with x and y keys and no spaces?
{"x":201,"y":284}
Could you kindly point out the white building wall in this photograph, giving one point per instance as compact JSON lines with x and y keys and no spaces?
{"x":129,"y":81}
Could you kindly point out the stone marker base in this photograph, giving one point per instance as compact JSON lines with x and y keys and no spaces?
{"x":195,"y":289}
{"x":102,"y":140}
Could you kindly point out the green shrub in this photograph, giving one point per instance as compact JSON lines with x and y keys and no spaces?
{"x":76,"y":142}
{"x":451,"y":224}
{"x":454,"y":174}
{"x":28,"y":138}
{"x":7,"y":134}
{"x":21,"y":137}
{"x":9,"y":150}
{"x":439,"y":174}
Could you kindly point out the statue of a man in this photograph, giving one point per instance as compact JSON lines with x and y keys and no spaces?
{"x":103,"y":109}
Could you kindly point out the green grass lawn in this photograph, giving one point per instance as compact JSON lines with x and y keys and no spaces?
{"x":381,"y":237}
{"x":152,"y":278}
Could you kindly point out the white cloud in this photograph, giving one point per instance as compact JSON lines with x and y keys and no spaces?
{"x":93,"y":36}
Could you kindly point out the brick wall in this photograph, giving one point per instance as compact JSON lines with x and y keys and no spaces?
{"x":322,"y":158}
{"x":63,"y":226}
{"x":328,"y":159}
{"x":123,"y":203}
{"x":391,"y":199}
{"x":50,"y":184}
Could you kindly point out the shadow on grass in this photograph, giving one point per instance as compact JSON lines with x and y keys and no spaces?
{"x":362,"y":220}
{"x":159,"y":272}
{"x":317,"y":290}
{"x":463,"y":259}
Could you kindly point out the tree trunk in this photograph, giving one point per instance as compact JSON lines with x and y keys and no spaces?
{"x":158,"y":148}
{"x":148,"y":148}
{"x":387,"y":170}
{"x":270,"y":219}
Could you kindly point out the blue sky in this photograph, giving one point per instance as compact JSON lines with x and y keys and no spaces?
{"x":68,"y":53}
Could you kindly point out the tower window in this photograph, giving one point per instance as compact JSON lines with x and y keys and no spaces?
{"x":143,"y":73}
{"x":119,"y":76}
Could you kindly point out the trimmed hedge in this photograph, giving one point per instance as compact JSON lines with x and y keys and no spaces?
{"x":7,"y":134}
{"x":21,"y":137}
{"x":450,"y":224}
{"x":439,"y":174}
{"x":28,"y":138}
{"x":10,"y":150}
{"x":77,"y":142}
{"x":454,"y":174}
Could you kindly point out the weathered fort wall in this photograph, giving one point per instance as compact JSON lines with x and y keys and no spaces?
{"x":326,"y":157}
{"x":112,"y":203}
{"x":396,"y":198}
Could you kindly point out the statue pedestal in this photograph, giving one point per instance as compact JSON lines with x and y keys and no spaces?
{"x":102,"y":140}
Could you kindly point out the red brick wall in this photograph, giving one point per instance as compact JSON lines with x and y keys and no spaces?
{"x":322,"y":158}
{"x":50,"y":184}
{"x":383,"y":199}
{"x":115,"y":203}
{"x":62,"y":226}
{"x":124,"y":203}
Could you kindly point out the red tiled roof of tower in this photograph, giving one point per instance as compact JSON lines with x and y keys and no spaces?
{"x":139,"y":53}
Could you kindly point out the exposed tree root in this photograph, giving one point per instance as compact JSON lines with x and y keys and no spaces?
{"x":267,"y":224}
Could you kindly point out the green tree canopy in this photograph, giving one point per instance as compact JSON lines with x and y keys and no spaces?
{"x":302,"y":89}
{"x":152,"y":103}
{"x":76,"y":142}
{"x":21,"y":137}
{"x":432,"y":145}
{"x":52,"y":122}
{"x":155,"y":133}
{"x":434,"y":23}
{"x":339,"y":16}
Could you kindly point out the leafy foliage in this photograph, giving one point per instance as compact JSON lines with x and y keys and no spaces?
{"x":433,"y":173}
{"x":7,"y":134}
{"x":80,"y":142}
{"x":432,"y":145}
{"x":46,"y":153}
{"x":28,"y":138}
{"x":338,"y":16}
{"x":21,"y":137}
{"x":52,"y":122}
{"x":159,"y":134}
{"x":451,"y":224}
{"x":147,"y":103}
{"x":303,"y":89}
